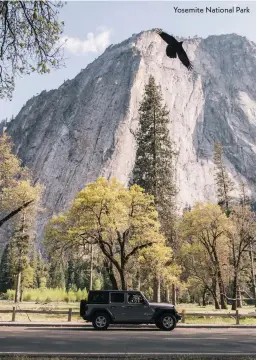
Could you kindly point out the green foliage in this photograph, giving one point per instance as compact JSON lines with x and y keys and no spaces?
{"x":154,"y":167}
{"x":6,"y":276}
{"x":16,"y":189}
{"x":205,"y":251}
{"x":9,"y":295}
{"x":30,"y":40}
{"x":224,"y":185}
{"x":97,"y":285}
{"x":120,"y":221}
{"x":57,"y":274}
{"x":51,"y":295}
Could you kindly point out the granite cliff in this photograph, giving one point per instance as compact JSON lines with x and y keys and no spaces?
{"x":83,"y":129}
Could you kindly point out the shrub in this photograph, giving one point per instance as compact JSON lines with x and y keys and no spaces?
{"x":48,"y":295}
{"x":10,"y":294}
{"x":84,"y":294}
{"x":26,"y":296}
{"x":79,"y":295}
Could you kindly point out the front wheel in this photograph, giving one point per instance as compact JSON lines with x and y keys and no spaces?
{"x":101,"y":321}
{"x":166,"y":322}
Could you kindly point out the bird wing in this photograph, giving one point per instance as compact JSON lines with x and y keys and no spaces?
{"x":168,"y":38}
{"x":184,"y":59}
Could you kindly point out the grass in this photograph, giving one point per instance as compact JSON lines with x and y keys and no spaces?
{"x":219,"y":320}
{"x":30,"y":305}
{"x":210,"y":308}
{"x":58,"y":306}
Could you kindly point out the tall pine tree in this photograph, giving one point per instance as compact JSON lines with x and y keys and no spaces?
{"x":6,"y":276}
{"x":224,"y":184}
{"x":154,"y":166}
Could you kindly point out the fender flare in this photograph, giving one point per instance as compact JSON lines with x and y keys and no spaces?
{"x":104,"y":310}
{"x":159,"y":312}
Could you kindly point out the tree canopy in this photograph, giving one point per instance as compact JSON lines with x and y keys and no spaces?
{"x":29,"y":40}
{"x":122,"y":222}
{"x":17,"y":191}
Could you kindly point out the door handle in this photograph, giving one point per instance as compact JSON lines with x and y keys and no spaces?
{"x":129,"y":307}
{"x":113,"y":307}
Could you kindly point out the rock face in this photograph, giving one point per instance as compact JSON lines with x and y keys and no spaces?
{"x":82,"y":130}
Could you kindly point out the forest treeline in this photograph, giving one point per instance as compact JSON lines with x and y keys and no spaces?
{"x":121,"y":237}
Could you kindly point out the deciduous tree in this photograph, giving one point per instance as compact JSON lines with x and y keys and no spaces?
{"x":120,"y":221}
{"x":29,"y":40}
{"x":208,"y":225}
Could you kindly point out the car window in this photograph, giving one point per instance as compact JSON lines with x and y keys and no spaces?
{"x":134,"y":298}
{"x":98,"y":298}
{"x":117,"y":297}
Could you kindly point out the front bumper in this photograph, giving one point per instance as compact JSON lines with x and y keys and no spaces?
{"x":178,"y":317}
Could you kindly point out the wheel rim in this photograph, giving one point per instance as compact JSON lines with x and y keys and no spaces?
{"x":168,"y":322}
{"x":100,"y":321}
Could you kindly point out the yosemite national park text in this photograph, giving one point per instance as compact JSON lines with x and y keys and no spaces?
{"x":212,"y":10}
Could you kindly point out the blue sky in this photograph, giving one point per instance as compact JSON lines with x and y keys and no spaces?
{"x":92,"y":26}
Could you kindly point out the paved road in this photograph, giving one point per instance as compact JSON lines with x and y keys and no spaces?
{"x":137,"y":341}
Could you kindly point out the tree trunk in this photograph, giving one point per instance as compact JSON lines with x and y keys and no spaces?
{"x":18,"y":288}
{"x":216,"y":301}
{"x":253,"y":287}
{"x":123,"y":280}
{"x":91,"y":268}
{"x":203,"y":296}
{"x":157,"y":289}
{"x":109,"y":268}
{"x":174,"y":295}
{"x":113,"y":281}
{"x":167,"y":293}
{"x":138,"y":281}
{"x":222,"y":291}
{"x":214,"y":293}
{"x":235,"y":285}
{"x":239,"y":298}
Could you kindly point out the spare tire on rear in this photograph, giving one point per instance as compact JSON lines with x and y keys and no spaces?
{"x":83,"y":307}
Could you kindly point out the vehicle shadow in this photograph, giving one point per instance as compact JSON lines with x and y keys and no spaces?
{"x":87,"y":328}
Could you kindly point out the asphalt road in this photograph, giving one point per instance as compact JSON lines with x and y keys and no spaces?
{"x":73,"y":341}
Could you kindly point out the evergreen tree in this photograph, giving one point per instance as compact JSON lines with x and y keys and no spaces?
{"x":33,"y":265}
{"x":154,"y":166}
{"x":21,"y":245}
{"x":40,"y":268}
{"x":6,"y":278}
{"x":224,"y":184}
{"x":70,"y":274}
{"x":57,"y":274}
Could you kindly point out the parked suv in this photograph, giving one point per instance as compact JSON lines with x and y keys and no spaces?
{"x":107,"y":307}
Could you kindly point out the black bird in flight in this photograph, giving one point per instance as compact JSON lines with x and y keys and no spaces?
{"x":175,"y":48}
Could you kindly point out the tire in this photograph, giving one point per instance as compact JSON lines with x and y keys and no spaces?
{"x":101,"y":321}
{"x":166,"y":322}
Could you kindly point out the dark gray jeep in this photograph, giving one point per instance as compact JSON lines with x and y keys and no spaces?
{"x":105,"y":307}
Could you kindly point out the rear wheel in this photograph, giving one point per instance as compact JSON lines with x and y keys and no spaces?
{"x":166,"y":322}
{"x":101,"y":321}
